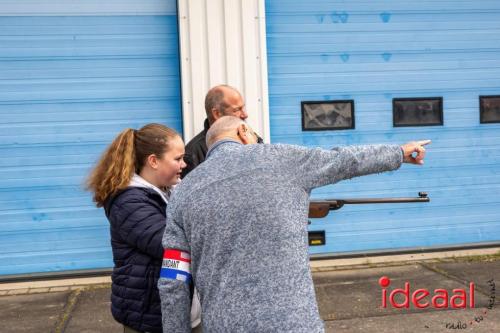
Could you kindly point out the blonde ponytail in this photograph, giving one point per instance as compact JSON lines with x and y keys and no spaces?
{"x":115,"y":169}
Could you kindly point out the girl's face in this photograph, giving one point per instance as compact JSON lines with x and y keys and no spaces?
{"x":170,"y":165}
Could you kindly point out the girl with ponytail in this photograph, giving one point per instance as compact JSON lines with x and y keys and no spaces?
{"x":132,"y":181}
{"x":137,"y":152}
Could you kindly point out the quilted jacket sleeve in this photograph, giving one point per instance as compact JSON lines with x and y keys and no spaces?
{"x":140,"y":223}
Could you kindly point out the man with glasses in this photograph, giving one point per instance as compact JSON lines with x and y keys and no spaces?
{"x":222,"y":100}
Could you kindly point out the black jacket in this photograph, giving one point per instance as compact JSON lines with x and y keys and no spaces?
{"x":137,"y":218}
{"x":196,"y":150}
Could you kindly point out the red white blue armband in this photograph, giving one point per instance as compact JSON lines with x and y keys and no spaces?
{"x":176,"y":265}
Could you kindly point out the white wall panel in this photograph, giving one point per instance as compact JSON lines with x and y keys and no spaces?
{"x":223,"y":42}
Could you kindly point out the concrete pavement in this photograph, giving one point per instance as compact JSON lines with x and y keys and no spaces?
{"x":349,"y":298}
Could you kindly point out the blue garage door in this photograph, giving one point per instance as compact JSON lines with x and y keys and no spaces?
{"x":68,"y":86}
{"x":372,"y":52}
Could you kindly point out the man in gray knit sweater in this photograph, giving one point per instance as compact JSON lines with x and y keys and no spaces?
{"x":237,"y":227}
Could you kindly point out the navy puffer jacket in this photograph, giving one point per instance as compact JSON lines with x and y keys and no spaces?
{"x":137,"y":218}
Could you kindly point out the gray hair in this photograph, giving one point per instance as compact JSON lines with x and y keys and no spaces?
{"x":215,"y":99}
{"x":222,"y":126}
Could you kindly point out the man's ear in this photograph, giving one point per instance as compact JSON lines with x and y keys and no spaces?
{"x":152,"y":161}
{"x":216,"y":114}
{"x":243,"y":133}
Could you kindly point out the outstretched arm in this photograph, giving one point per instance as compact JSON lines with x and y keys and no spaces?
{"x":312,"y":168}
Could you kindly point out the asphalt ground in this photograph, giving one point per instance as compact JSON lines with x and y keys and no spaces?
{"x":349,"y":298}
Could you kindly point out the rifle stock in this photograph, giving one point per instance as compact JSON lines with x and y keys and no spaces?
{"x":318,"y":209}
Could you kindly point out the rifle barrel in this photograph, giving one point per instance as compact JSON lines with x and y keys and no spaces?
{"x":373,"y":200}
{"x":320,"y":208}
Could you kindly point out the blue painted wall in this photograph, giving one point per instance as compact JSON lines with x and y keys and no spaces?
{"x":375,"y":51}
{"x":68,"y":85}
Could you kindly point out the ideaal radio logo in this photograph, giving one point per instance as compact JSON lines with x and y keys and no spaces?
{"x":458,"y":298}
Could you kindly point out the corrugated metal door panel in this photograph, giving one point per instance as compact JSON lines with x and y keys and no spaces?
{"x":68,"y":85}
{"x":373,"y":52}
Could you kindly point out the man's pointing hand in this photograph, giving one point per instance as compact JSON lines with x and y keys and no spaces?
{"x":414,"y":152}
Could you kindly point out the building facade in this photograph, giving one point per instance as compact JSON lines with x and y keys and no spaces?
{"x":317,"y":73}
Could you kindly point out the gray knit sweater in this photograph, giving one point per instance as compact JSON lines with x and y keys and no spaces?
{"x":242,"y":214}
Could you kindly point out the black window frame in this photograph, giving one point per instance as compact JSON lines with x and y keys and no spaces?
{"x":349,"y":101}
{"x":481,"y":109}
{"x":438,"y":99}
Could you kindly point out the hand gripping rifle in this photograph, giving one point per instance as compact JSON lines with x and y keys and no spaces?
{"x":321,"y":208}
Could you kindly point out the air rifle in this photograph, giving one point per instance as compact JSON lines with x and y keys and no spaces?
{"x":321,"y":208}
